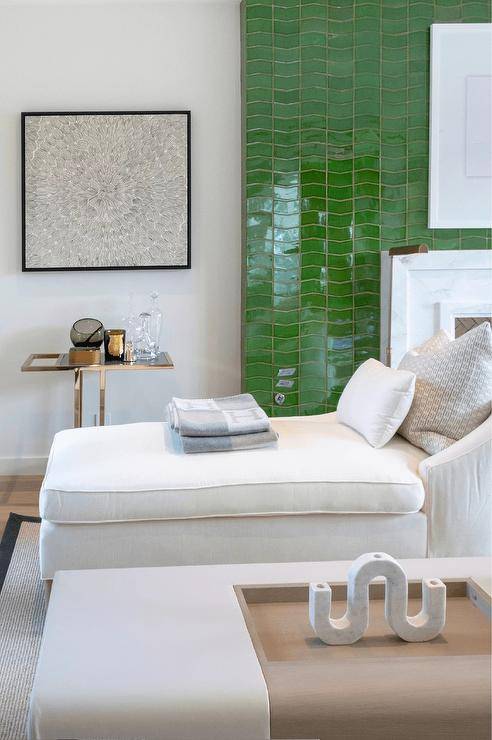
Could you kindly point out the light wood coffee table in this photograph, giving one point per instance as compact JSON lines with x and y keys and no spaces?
{"x":222,"y":652}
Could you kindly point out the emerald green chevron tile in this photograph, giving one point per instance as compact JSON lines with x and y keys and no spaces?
{"x":314,"y":355}
{"x":340,"y":261}
{"x":340,"y":290}
{"x":254,"y":344}
{"x":312,"y":38}
{"x":316,"y":342}
{"x":287,"y":26}
{"x":286,"y":345}
{"x":340,"y":247}
{"x":285,"y":330}
{"x":286,"y":55}
{"x":366,"y":245}
{"x":260,"y":108}
{"x":259,"y":136}
{"x":261,"y":386}
{"x":257,"y":67}
{"x":478,"y":12}
{"x":313,"y":25}
{"x":258,"y":25}
{"x":318,"y":10}
{"x":282,"y":13}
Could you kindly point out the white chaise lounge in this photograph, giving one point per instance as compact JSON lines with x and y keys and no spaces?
{"x":124,"y":496}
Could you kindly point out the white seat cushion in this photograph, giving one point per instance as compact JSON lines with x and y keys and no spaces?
{"x":135,"y":472}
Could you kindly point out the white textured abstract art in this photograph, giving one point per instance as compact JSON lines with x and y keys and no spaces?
{"x":106,"y":191}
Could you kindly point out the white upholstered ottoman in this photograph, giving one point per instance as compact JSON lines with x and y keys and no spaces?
{"x":165,"y":654}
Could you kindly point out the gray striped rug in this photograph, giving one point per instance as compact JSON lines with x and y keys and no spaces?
{"x":22,"y":611}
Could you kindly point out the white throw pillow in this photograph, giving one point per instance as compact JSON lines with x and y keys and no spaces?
{"x":376,"y":400}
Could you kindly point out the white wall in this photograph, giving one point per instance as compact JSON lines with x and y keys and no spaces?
{"x":128,"y":57}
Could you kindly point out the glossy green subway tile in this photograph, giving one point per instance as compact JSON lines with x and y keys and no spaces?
{"x":367,"y":258}
{"x":314,"y":355}
{"x":258,"y":10}
{"x":258,"y":246}
{"x":312,"y":313}
{"x":285,"y":330}
{"x":257,"y":330}
{"x":289,"y":25}
{"x":259,"y":136}
{"x":257,"y":344}
{"x":259,"y":315}
{"x":260,"y":108}
{"x":258,"y":301}
{"x":286,"y":359}
{"x":341,"y":329}
{"x":340,"y":261}
{"x":260,"y":385}
{"x":286,"y":345}
{"x":367,"y":270}
{"x":313,"y":328}
{"x":340,"y":290}
{"x":287,"y":207}
{"x":315,"y":342}
{"x":479,"y":12}
{"x":314,"y":291}
{"x":257,"y":67}
{"x":258,"y":369}
{"x":259,"y":282}
{"x":283,"y":69}
{"x":366,"y":299}
{"x":258,"y":25}
{"x":341,"y":247}
{"x":287,"y":54}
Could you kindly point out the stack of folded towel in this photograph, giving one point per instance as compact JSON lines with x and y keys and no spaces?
{"x":220,"y":424}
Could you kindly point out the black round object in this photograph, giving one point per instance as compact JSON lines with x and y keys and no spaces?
{"x":87,"y":333}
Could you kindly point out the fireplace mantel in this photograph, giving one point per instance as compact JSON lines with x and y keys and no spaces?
{"x":428,"y":292}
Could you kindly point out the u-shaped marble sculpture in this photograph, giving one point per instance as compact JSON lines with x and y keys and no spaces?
{"x":426,"y":625}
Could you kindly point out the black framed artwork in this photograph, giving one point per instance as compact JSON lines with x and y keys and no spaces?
{"x":106,"y":190}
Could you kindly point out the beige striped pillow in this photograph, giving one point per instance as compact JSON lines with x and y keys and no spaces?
{"x":453,"y":389}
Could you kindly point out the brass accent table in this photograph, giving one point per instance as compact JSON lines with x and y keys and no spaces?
{"x":60,"y":362}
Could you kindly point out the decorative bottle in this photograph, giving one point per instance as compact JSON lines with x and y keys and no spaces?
{"x":143,"y":346}
{"x":131,"y":320}
{"x":155,"y":323}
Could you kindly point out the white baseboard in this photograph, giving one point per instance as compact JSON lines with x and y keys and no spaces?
{"x":23,"y":465}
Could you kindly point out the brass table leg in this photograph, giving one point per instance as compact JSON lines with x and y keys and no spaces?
{"x":77,"y":397}
{"x":102,"y":396}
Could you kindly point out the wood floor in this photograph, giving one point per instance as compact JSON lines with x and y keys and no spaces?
{"x":18,"y":493}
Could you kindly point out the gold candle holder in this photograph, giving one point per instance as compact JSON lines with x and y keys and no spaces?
{"x":114,"y":345}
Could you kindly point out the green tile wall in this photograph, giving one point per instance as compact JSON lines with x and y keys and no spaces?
{"x":335,"y":118}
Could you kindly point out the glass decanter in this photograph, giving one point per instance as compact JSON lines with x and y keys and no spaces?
{"x":131,"y":320}
{"x":155,"y":323}
{"x":143,"y":344}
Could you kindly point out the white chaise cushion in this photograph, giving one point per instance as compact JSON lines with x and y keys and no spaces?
{"x":376,"y":400}
{"x":133,"y":472}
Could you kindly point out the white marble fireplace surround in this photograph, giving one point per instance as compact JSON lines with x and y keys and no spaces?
{"x":428,"y":291}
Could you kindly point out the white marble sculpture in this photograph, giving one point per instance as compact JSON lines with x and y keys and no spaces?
{"x":426,"y":625}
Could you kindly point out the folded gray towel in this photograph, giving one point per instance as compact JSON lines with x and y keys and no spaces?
{"x":229,"y":442}
{"x":217,"y":417}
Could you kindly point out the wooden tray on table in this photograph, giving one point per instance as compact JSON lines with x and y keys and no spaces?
{"x":381,"y":687}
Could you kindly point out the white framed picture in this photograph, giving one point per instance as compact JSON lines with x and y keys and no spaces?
{"x":460,"y":161}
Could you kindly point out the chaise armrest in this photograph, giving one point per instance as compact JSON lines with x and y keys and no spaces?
{"x":458,"y":496}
